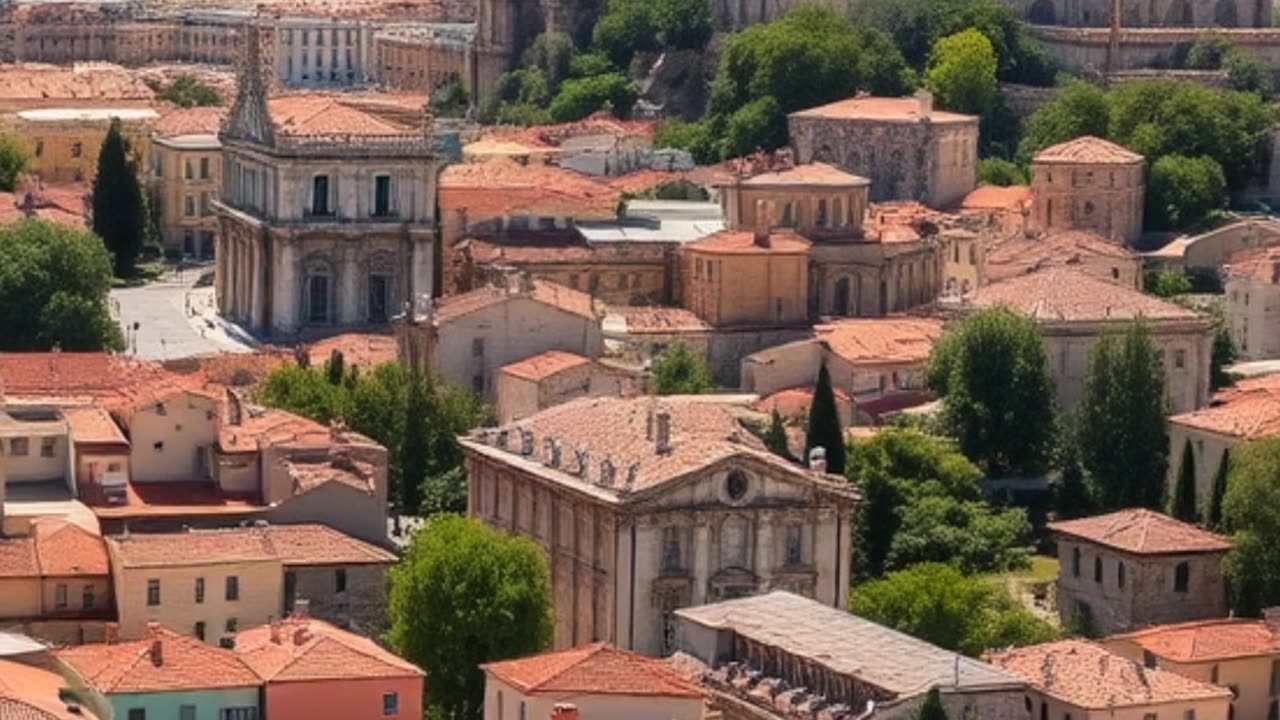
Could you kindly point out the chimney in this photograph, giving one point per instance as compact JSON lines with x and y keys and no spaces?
{"x":760,"y":237}
{"x":564,"y":711}
{"x":275,"y":631}
{"x":925,"y":100}
{"x":235,"y":413}
{"x":111,"y":633}
{"x":157,"y":647}
{"x":818,"y":459}
{"x":663,"y":421}
{"x":302,"y":609}
{"x":1271,"y":616}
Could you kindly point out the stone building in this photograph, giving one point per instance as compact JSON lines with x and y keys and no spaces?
{"x":1091,"y":254}
{"x":465,"y":339}
{"x":547,"y":379}
{"x":186,"y":174}
{"x":1233,"y":653}
{"x":1157,"y":14}
{"x":63,"y":143}
{"x":747,"y":278}
{"x":779,"y":656}
{"x":327,"y":209}
{"x":657,"y":504}
{"x":1253,"y":302}
{"x":1131,"y":568}
{"x":906,"y":148}
{"x":1074,"y":309}
{"x":1088,"y":184}
{"x":414,"y":58}
{"x":1082,"y":679}
{"x":323,"y":52}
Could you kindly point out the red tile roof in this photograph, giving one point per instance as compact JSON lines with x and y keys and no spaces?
{"x":1262,"y":263}
{"x":261,"y":426}
{"x":1249,"y":410}
{"x":878,"y":341}
{"x":1089,"y":676}
{"x":65,"y":549}
{"x":881,"y":109}
{"x":196,"y":547}
{"x":740,"y":242}
{"x":363,"y":350}
{"x":183,"y":663}
{"x":361,"y":114}
{"x":1206,"y":640}
{"x":597,"y":669}
{"x":18,"y":558}
{"x":1087,"y":149}
{"x":64,"y":375}
{"x":648,"y":320}
{"x":302,"y":650}
{"x":312,"y":544}
{"x":805,"y":176}
{"x":1019,"y":256}
{"x":501,"y":187}
{"x":1142,"y":532}
{"x":81,"y":82}
{"x":994,"y":197}
{"x":794,"y":403}
{"x":1067,"y":294}
{"x":176,"y":499}
{"x":93,"y":425}
{"x":28,"y":692}
{"x":544,"y":365}
{"x":540,"y":291}
{"x":189,"y":121}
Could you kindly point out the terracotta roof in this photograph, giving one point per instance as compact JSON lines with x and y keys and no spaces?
{"x":28,"y":692}
{"x":82,"y":82}
{"x":794,"y":403}
{"x":876,"y":341}
{"x":364,"y":350}
{"x":261,"y":426}
{"x":600,"y":123}
{"x":540,"y":291}
{"x":175,"y":499}
{"x":183,"y":663}
{"x":1063,"y":294}
{"x":1260,"y":263}
{"x":994,"y":197}
{"x":881,"y":109}
{"x":364,"y":114}
{"x":703,"y":431}
{"x":740,"y":242}
{"x":1085,"y":150}
{"x":639,"y":181}
{"x":544,"y":365}
{"x":1142,"y":532}
{"x":301,"y":650}
{"x":500,"y":188}
{"x":195,"y":547}
{"x":93,"y":425}
{"x":18,"y":558}
{"x":1089,"y":676}
{"x":312,"y":544}
{"x":65,"y":549}
{"x":308,"y":476}
{"x":1019,"y":256}
{"x":1206,"y":640}
{"x":647,"y":320}
{"x":189,"y":121}
{"x":1249,"y":410}
{"x":806,"y":175}
{"x":64,"y":375}
{"x":558,"y":249}
{"x":597,"y":669}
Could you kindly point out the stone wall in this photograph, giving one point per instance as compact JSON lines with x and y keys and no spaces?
{"x":361,"y":607}
{"x":1087,"y":50}
{"x":1146,"y":13}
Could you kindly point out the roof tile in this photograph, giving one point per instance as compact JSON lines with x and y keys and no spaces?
{"x":1206,"y":640}
{"x":1067,"y":294}
{"x":1087,"y":149}
{"x":183,"y":663}
{"x":1142,"y":532}
{"x":301,"y":650}
{"x":597,"y":669}
{"x":543,"y":365}
{"x":1249,"y":410}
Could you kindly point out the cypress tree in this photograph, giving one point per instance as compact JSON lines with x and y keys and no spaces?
{"x":932,"y":708}
{"x":825,"y":430}
{"x":334,"y":367}
{"x":1184,"y":493}
{"x":1214,"y":515}
{"x":775,"y":438}
{"x":119,"y":204}
{"x":1071,"y":494}
{"x":416,"y":447}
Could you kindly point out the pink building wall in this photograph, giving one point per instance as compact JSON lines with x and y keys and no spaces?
{"x":346,"y":699}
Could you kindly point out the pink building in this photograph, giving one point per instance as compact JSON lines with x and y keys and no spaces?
{"x":312,"y":669}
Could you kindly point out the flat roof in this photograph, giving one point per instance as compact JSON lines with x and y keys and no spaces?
{"x":190,"y":142}
{"x":87,"y":114}
{"x":847,"y":644}
{"x":677,"y":231}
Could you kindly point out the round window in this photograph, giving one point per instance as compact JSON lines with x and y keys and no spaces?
{"x":736,"y":485}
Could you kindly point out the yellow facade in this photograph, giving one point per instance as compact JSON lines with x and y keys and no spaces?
{"x":729,"y":282}
{"x":63,"y":144}
{"x":185,"y":174}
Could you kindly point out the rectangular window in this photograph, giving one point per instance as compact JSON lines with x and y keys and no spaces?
{"x":77,"y":149}
{"x":88,"y":597}
{"x":1179,"y":359}
{"x":186,"y":712}
{"x":318,"y":298}
{"x":232,"y":625}
{"x":1275,"y":677}
{"x":233,"y":587}
{"x":137,"y":714}
{"x":795,"y":545}
{"x":320,"y":195}
{"x":199,"y":631}
{"x":18,"y":447}
{"x":340,"y":580}
{"x":199,"y":590}
{"x":153,"y":592}
{"x":241,"y":713}
{"x":187,"y":173}
{"x":672,"y":558}
{"x":379,"y":298}
{"x":189,"y":206}
{"x":47,"y":446}
{"x":382,"y":195}
{"x":477,"y":347}
{"x":390,"y":703}
{"x":60,"y":596}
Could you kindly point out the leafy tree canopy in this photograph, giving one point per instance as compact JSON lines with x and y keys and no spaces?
{"x":1000,"y":172}
{"x":465,"y":594}
{"x":940,"y":604}
{"x":680,"y":372}
{"x":187,"y":91}
{"x":962,"y":73}
{"x":1251,"y":510}
{"x":1181,"y":191}
{"x":13,"y":161}
{"x":580,"y":97}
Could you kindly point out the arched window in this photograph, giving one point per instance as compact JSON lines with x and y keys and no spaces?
{"x":1181,"y":577}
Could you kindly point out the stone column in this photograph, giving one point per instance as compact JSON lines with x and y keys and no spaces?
{"x":349,"y":282}
{"x":764,"y":560}
{"x":703,"y":555}
{"x":284,"y":296}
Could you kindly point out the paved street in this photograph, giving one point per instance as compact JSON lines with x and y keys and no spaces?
{"x":175,"y":318}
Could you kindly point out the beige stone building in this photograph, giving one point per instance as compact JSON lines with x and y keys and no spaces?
{"x":647,"y":505}
{"x":1089,"y":184}
{"x":814,"y":199}
{"x":56,"y":570}
{"x":747,"y":278}
{"x":465,"y":339}
{"x":598,"y":680}
{"x":425,"y":57}
{"x":547,"y":379}
{"x":906,"y":148}
{"x":1211,"y":251}
{"x":1091,"y":254}
{"x":1247,"y":411}
{"x":777,"y":654}
{"x":172,"y":434}
{"x":1253,"y":302}
{"x":185,"y":176}
{"x":1082,"y":679}
{"x":1074,"y":309}
{"x":1238,"y":654}
{"x":63,"y":142}
{"x":1131,"y":568}
{"x":327,"y":211}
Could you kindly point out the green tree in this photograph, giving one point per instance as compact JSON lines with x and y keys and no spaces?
{"x":1078,"y":109}
{"x":1123,"y":437}
{"x":683,"y":24}
{"x":679,"y":372}
{"x":187,"y":91}
{"x":335,"y":367}
{"x":1000,"y":172}
{"x":1071,"y":494}
{"x":758,"y":124}
{"x":1208,"y":52}
{"x":13,"y":161}
{"x":695,"y":137}
{"x":824,"y":429}
{"x":551,"y":54}
{"x":120,"y":215}
{"x":962,"y":73}
{"x":966,"y":534}
{"x":53,"y":289}
{"x":1246,"y":74}
{"x":1184,"y":493}
{"x":998,"y":396}
{"x":932,"y":708}
{"x":1251,"y":509}
{"x":1213,"y":516}
{"x":463,"y":595}
{"x":581,"y":97}
{"x":1224,"y":351}
{"x":939,"y":604}
{"x":450,"y":100}
{"x":1166,"y":283}
{"x":588,"y":64}
{"x":303,"y":391}
{"x":775,"y":438}
{"x":415,"y":448}
{"x":1181,"y":191}
{"x":625,"y":28}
